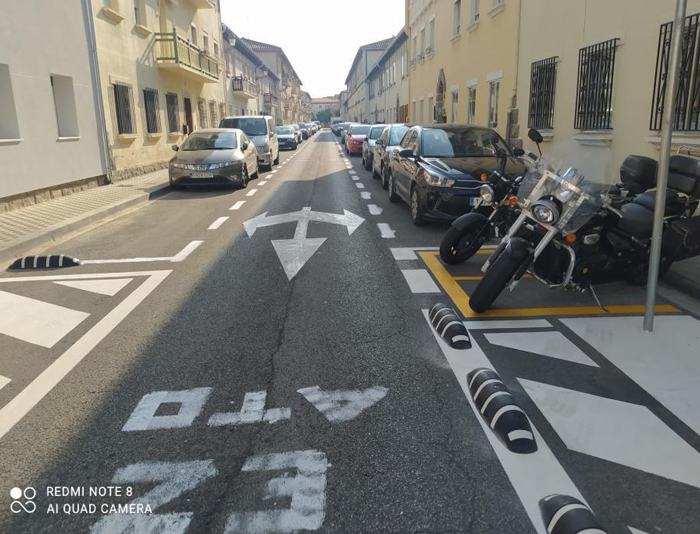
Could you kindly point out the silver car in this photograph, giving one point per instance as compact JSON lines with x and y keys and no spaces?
{"x":262,"y":132}
{"x":214,"y":156}
{"x":383,"y":147}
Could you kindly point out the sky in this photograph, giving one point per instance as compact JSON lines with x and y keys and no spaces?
{"x":320,"y":37}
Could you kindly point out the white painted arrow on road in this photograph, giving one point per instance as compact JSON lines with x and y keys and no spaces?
{"x":294,"y":253}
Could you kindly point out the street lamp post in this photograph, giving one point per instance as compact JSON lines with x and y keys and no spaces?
{"x":662,"y":175}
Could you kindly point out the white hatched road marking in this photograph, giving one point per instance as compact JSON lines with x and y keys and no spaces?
{"x":387,"y":232}
{"x":101,"y":287}
{"x":238,"y":205}
{"x":419,"y":281}
{"x":4,"y":381}
{"x":217,"y":223}
{"x":179,"y":257}
{"x":552,"y":344}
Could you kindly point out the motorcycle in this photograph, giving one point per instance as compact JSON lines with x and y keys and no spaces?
{"x":492,"y":214}
{"x":574,"y":232}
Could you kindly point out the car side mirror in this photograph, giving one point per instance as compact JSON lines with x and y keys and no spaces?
{"x":245,"y":146}
{"x":175,"y":148}
{"x":379,"y":142}
{"x":406,"y":152}
{"x":517,"y":151}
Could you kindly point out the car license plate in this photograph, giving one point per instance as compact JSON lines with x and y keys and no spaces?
{"x":201,"y":175}
{"x":472,"y":201}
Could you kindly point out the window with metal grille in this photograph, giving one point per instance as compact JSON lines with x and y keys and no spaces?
{"x":543,"y":79}
{"x":686,"y":116}
{"x":494,"y":94}
{"x":152,"y":108}
{"x":123,"y":108}
{"x":212,"y":114}
{"x":202,"y":110}
{"x":471,"y":105}
{"x":222,"y":110}
{"x":596,"y":69}
{"x":173,"y":110}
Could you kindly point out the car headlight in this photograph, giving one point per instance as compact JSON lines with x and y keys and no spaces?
{"x":439,"y":181}
{"x":545,"y":211}
{"x":215,"y":166}
{"x":486,"y":194}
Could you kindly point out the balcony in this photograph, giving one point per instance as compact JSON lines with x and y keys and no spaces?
{"x":421,"y":57}
{"x":203,"y":4}
{"x":239,"y":84}
{"x":270,"y":99}
{"x":413,"y":63}
{"x":178,"y":54}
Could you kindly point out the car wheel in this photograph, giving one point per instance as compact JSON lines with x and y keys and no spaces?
{"x":385,"y":180}
{"x":294,"y":148}
{"x":363,"y":161}
{"x":393,"y":197}
{"x":277,"y":159}
{"x":256,"y":174}
{"x":367,"y":165}
{"x":244,"y":178}
{"x":417,"y":211}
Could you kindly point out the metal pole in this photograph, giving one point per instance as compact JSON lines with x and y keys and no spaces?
{"x":662,"y":176}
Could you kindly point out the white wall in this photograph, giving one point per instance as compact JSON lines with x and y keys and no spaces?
{"x":38,"y":39}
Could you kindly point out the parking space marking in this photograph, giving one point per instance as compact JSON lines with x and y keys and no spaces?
{"x":461,"y":299}
{"x":217,"y":223}
{"x":419,"y":281}
{"x":179,"y":257}
{"x":238,"y":205}
{"x":251,"y":192}
{"x":406,"y":253}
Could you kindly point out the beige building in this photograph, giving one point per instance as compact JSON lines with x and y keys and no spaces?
{"x":160,"y":66}
{"x":388,"y":83}
{"x":51,"y":122}
{"x":326,"y":103}
{"x":463,"y":60}
{"x":357,"y":99}
{"x":591,"y":70}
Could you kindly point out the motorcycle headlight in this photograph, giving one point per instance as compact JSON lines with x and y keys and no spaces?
{"x":486,"y":194}
{"x":545,"y":211}
{"x":439,"y":181}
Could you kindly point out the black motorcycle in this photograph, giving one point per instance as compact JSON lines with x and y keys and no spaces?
{"x":493,"y":213}
{"x":573,"y":233}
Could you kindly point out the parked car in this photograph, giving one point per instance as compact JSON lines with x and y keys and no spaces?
{"x":354,"y":138}
{"x":368,"y":144}
{"x":305,"y":133}
{"x":340,"y":130}
{"x":384,"y":146}
{"x":287,"y":137}
{"x":336,"y":127}
{"x":262,"y":131}
{"x":214,"y":156}
{"x":297,"y":133}
{"x":437,"y":170}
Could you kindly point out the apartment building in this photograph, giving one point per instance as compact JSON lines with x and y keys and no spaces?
{"x":51,"y":132}
{"x":463,"y":62}
{"x":592,"y":71}
{"x":160,"y":67}
{"x":388,"y":83}
{"x":357,"y":99}
{"x":326,"y":103}
{"x":343,"y":99}
{"x":251,"y":87}
{"x":290,"y":108}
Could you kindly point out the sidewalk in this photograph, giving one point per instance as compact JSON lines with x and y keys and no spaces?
{"x":685,"y":277}
{"x":34,"y":226}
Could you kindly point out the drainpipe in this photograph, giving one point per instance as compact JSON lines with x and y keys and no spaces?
{"x":97,"y":84}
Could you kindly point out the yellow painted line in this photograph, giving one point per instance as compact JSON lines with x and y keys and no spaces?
{"x":475,"y":278}
{"x":461,"y":299}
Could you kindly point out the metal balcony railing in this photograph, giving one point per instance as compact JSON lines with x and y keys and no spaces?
{"x":421,"y":56}
{"x":239,"y":83}
{"x":430,"y":50}
{"x":173,"y":50}
{"x":270,"y":98}
{"x":413,"y":63}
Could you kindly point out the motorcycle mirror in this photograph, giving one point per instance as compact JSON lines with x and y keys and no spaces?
{"x":517,"y":152}
{"x":534,"y":135}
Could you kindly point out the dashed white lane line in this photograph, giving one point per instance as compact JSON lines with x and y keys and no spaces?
{"x":366,"y":195}
{"x":262,"y":183}
{"x":353,"y":172}
{"x":419,"y":281}
{"x":238,"y":205}
{"x":359,"y":186}
{"x":387,"y":232}
{"x":355,"y":178}
{"x":217,"y":223}
{"x":251,"y":192}
{"x":273,"y":172}
{"x":374,"y":209}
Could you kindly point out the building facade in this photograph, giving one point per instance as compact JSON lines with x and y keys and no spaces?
{"x":51,"y":122}
{"x":357,"y":99}
{"x":388,"y":83}
{"x":591,"y":71}
{"x":344,"y":105}
{"x":326,"y":103}
{"x":460,"y":73}
{"x":160,"y":66}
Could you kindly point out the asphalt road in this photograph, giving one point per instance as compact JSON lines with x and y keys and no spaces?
{"x":268,"y":380}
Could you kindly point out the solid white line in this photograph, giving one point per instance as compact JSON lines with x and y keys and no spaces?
{"x":420,"y":281}
{"x":189,"y":249}
{"x":30,"y":396}
{"x":217,"y":223}
{"x":180,"y":256}
{"x":237,"y":205}
{"x":251,"y":192}
{"x":52,"y":278}
{"x":387,"y":232}
{"x":374,"y":209}
{"x":533,"y":476}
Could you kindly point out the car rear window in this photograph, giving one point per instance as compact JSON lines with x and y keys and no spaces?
{"x":250,"y":126}
{"x":359,"y":130}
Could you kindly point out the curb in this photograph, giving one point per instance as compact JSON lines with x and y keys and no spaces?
{"x":681,"y":283}
{"x":19,"y":247}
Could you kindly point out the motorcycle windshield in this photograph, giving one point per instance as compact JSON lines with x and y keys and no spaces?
{"x":572,"y":180}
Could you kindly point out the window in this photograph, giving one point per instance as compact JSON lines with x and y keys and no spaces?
{"x":596,"y":66}
{"x":421,"y":55}
{"x":431,"y":110}
{"x":9,"y":127}
{"x":202,"y":110}
{"x":403,"y":65}
{"x":543,"y":77}
{"x":205,"y":41}
{"x":687,"y":113}
{"x":475,"y":11}
{"x":471,"y":105}
{"x":455,"y":99}
{"x":222,"y":110}
{"x":123,"y":108}
{"x":173,"y":112}
{"x":422,"y":111}
{"x":138,"y":12}
{"x":194,"y":34}
{"x":456,"y":16}
{"x":213,"y":114}
{"x":494,"y":90}
{"x":431,"y":39}
{"x":64,"y":102}
{"x":152,"y":109}
{"x":413,"y":112}
{"x":216,"y":49}
{"x":415,"y":47}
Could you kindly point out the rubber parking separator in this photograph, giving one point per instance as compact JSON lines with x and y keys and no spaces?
{"x":563,"y":514}
{"x":45,"y":262}
{"x":450,"y":326}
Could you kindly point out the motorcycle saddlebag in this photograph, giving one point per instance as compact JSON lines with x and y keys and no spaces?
{"x":638,"y":173}
{"x":684,"y":238}
{"x":684,"y":175}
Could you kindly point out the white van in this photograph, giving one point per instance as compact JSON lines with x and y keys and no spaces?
{"x":262,"y":131}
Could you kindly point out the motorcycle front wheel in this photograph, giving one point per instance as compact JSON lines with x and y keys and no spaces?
{"x":458,"y":246}
{"x":494,"y":282}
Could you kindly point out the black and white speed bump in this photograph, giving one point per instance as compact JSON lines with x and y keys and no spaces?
{"x":45,"y":262}
{"x":500,"y":410}
{"x":450,"y":326}
{"x":563,"y":514}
